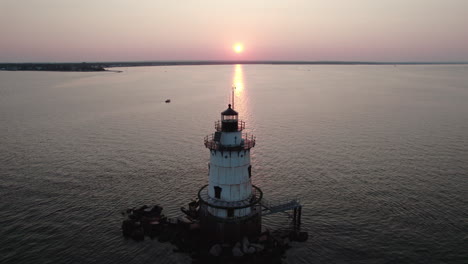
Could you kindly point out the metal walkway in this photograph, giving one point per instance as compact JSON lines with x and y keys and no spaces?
{"x":282,"y":207}
{"x":279,"y":206}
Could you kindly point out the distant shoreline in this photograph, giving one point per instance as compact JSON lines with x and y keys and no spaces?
{"x":101,"y":66}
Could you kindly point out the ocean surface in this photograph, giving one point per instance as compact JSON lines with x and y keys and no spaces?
{"x":377,"y":154}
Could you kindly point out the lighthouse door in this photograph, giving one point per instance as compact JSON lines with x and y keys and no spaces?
{"x":218,"y":190}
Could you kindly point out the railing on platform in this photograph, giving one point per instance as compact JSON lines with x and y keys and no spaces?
{"x":283,"y":206}
{"x":252,"y":200}
{"x":247,"y":142}
{"x":271,"y":207}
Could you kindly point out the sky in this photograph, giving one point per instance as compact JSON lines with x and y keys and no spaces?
{"x":304,"y":30}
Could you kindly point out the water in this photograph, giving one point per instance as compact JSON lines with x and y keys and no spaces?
{"x":378,"y":155}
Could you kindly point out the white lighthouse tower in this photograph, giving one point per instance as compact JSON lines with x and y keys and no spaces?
{"x":230,"y":204}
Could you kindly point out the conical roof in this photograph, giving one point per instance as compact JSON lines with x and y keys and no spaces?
{"x":229,"y":111}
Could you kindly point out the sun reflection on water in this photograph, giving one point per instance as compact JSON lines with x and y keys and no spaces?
{"x":239,"y":92}
{"x":238,"y":80}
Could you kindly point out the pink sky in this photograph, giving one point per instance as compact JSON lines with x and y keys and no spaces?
{"x":120,"y":30}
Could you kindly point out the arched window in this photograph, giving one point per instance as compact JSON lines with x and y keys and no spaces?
{"x":218,"y":190}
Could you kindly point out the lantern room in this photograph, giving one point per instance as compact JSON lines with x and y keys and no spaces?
{"x":229,"y":120}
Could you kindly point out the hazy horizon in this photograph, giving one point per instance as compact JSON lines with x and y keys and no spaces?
{"x":214,"y":62}
{"x":376,"y":154}
{"x":123,"y":30}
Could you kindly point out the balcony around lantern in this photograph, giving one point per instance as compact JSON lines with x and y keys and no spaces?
{"x":213,"y":142}
{"x":252,"y":200}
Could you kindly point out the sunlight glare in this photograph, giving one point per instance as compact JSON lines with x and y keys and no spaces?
{"x":238,"y":48}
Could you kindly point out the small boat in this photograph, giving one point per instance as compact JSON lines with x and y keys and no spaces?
{"x":168,"y":101}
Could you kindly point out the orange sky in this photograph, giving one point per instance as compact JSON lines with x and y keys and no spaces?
{"x":366,"y":30}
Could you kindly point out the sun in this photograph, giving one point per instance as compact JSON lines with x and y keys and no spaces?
{"x":238,"y":48}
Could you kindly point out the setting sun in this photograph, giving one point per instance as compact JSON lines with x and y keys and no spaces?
{"x":238,"y":48}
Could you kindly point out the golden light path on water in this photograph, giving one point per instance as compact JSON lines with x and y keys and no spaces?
{"x":239,"y":93}
{"x":238,"y":78}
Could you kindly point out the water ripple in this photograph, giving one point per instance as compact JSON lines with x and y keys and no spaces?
{"x":376,"y":154}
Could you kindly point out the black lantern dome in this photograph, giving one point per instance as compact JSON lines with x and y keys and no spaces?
{"x":229,"y":120}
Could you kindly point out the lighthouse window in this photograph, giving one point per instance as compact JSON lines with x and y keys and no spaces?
{"x":218,"y":190}
{"x":230,"y":212}
{"x":250,"y":171}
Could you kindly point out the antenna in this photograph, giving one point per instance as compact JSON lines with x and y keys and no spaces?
{"x":233,"y":96}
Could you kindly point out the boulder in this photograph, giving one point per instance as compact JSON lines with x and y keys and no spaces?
{"x":250,"y":250}
{"x":245,"y":244}
{"x":258,"y":247}
{"x":216,"y":250}
{"x":236,"y":250}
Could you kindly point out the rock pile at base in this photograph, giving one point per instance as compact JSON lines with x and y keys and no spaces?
{"x":144,"y":221}
{"x":185,"y":234}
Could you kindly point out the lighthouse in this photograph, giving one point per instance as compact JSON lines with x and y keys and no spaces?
{"x":229,"y":208}
{"x":230,"y":204}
